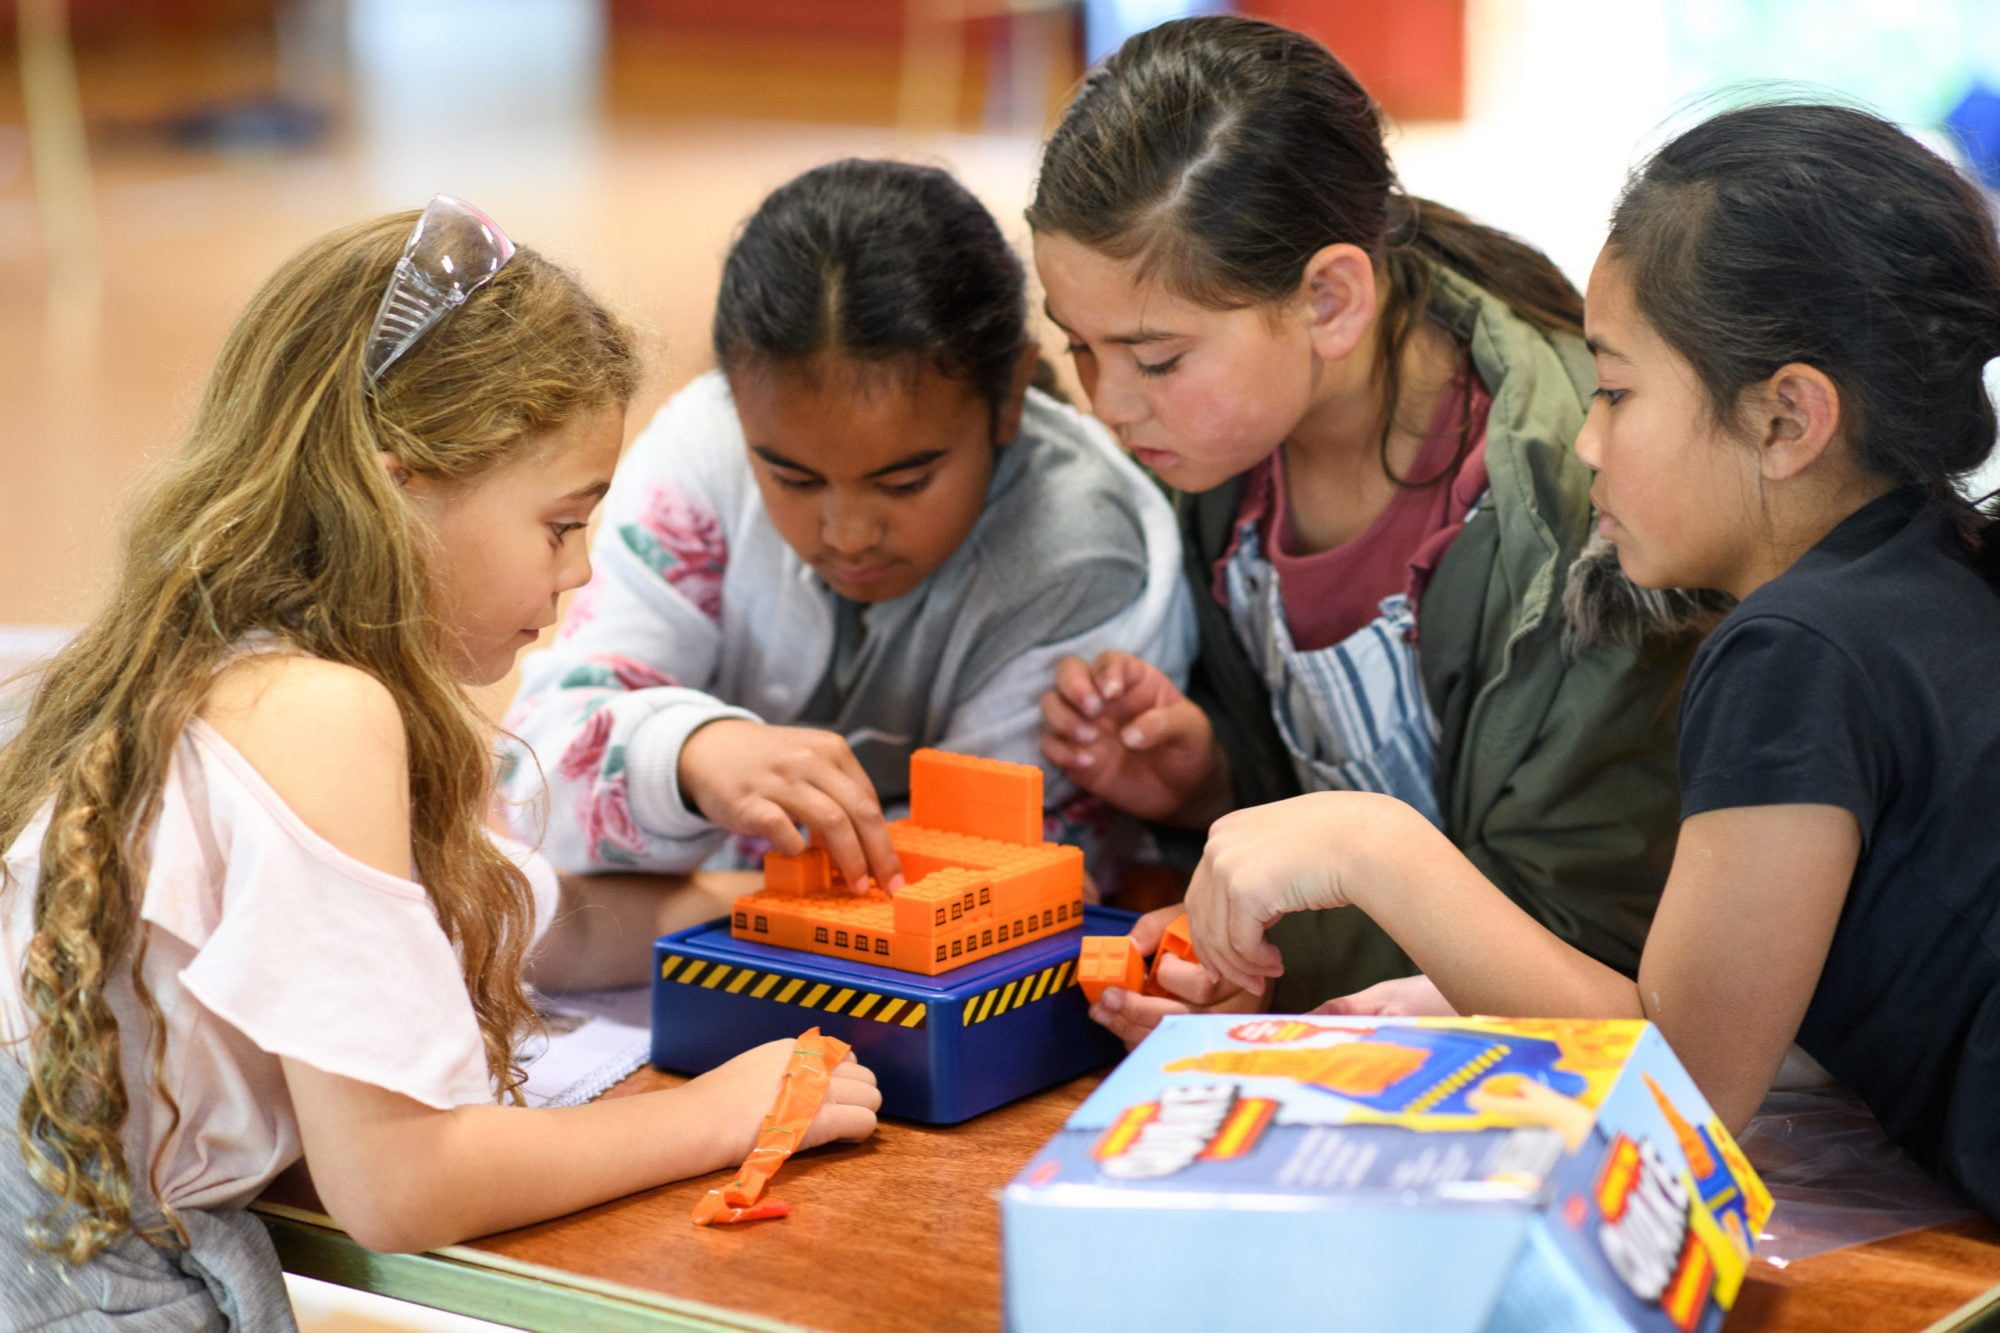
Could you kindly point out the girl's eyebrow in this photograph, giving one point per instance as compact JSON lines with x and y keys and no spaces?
{"x":905,"y":464}
{"x":776,"y":459}
{"x":1598,"y":347}
{"x":593,"y":492}
{"x":1135,"y":339}
{"x":920,"y":459}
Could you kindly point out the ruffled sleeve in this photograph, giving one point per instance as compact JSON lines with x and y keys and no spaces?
{"x":308,"y":953}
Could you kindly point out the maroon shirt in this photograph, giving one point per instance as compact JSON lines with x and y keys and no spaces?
{"x":1328,"y":595}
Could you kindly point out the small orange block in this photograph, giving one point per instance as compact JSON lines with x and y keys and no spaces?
{"x":1178,"y":942}
{"x":1107,"y":961}
{"x":807,"y":873}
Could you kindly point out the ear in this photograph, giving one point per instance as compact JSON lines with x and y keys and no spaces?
{"x":1337,"y":291}
{"x":1800,"y":418}
{"x":1007,"y":421}
{"x":393,"y":466}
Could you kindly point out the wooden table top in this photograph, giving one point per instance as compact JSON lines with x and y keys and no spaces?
{"x":903,"y":1232}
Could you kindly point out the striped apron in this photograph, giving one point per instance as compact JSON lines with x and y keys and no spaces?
{"x":1352,"y":716}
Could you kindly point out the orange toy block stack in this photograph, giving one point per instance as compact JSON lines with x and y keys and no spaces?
{"x":1107,"y":961}
{"x":980,"y":879}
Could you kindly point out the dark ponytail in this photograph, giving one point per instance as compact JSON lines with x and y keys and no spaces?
{"x":1826,"y":236}
{"x":1221,"y":153}
{"x":881,"y":262}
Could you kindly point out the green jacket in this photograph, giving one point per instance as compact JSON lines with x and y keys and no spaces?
{"x":1555,"y":763}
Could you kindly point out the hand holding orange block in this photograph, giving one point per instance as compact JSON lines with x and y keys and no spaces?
{"x":1177,"y":942}
{"x":1107,"y":961}
{"x":801,"y":1089}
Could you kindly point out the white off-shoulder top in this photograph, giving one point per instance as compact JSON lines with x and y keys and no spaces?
{"x":264,"y":940}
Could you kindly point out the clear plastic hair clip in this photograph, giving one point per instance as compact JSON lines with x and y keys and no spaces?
{"x":453,"y":251}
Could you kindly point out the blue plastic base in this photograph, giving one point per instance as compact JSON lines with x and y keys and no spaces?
{"x":944,"y":1048}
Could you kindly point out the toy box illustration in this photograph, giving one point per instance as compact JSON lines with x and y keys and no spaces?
{"x":1386,"y":1173}
{"x":959,"y":990}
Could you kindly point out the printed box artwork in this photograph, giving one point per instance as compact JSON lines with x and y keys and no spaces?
{"x":1386,"y":1173}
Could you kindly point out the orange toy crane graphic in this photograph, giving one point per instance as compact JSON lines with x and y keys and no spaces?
{"x":980,"y":878}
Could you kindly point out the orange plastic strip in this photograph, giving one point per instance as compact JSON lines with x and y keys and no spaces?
{"x":801,"y":1089}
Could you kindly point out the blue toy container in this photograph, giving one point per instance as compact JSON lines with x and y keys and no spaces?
{"x":944,"y":1048}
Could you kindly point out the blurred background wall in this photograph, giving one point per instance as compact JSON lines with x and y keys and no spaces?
{"x":159,"y":157}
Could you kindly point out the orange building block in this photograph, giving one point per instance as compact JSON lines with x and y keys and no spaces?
{"x":958,"y":793}
{"x":1107,"y":961}
{"x":811,"y":871}
{"x":969,"y":894}
{"x":1177,"y":943}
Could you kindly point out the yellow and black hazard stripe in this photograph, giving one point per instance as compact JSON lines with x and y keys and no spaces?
{"x":827,"y":997}
{"x":1022,"y":990}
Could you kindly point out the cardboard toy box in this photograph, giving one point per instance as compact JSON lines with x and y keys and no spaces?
{"x":1395,"y":1174}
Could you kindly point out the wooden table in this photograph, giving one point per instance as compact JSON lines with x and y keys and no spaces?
{"x":903,"y":1233}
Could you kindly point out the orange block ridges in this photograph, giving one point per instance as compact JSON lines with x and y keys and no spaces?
{"x":1107,"y":961}
{"x":979,"y":878}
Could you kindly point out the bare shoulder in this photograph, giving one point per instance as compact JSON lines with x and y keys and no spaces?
{"x":328,"y":738}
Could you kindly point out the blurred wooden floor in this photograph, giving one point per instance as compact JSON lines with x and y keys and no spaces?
{"x":640,"y":194}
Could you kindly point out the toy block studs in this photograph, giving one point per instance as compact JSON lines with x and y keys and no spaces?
{"x":1107,"y":961}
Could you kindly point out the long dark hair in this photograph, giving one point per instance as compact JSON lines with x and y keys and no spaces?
{"x":881,"y":262}
{"x":1823,"y":235}
{"x":1221,"y":153}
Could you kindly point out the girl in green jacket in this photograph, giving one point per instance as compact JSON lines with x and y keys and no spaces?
{"x":1364,"y":404}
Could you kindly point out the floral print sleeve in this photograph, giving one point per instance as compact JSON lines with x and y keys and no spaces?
{"x":597,"y":726}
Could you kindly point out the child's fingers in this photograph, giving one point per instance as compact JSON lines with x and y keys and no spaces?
{"x":854,"y":1069}
{"x":1117,"y":674}
{"x":768,"y":820}
{"x":1149,"y":929}
{"x":1075,"y":683}
{"x":851,"y":787}
{"x":1188,"y":982}
{"x":839,"y":1120}
{"x":1130,"y":1016}
{"x":831,"y":824}
{"x":854,"y":1092}
{"x":1062,"y":718}
{"x":873,"y":831}
{"x":1218,"y":935}
{"x":1154,"y":728}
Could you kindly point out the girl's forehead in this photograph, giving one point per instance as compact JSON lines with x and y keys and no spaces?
{"x":849,"y":420}
{"x":1102,"y":298}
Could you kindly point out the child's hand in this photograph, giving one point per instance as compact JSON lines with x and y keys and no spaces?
{"x":1270,"y":860}
{"x":1403,"y":997}
{"x":1122,"y":731}
{"x":1131,"y":1017}
{"x":765,"y":781}
{"x":738,"y":1094}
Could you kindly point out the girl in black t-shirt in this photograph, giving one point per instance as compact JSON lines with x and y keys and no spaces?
{"x":1791,"y":320}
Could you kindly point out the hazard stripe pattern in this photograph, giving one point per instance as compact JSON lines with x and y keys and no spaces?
{"x":781,"y":989}
{"x":1025,"y":990}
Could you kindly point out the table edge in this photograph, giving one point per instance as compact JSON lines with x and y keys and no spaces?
{"x":465,"y":1280}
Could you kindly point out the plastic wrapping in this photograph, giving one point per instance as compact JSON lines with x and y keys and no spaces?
{"x":1836,"y":1178}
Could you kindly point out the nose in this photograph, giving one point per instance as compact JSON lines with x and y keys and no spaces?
{"x":1589,"y":447}
{"x":1116,"y":399}
{"x":573,"y":571}
{"x":849,"y":526}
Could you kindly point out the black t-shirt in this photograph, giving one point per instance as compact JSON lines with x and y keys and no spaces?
{"x":1867,"y":677}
